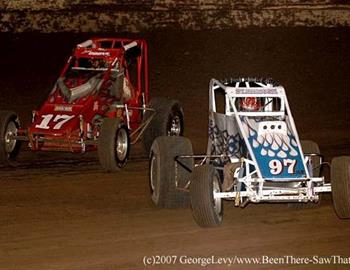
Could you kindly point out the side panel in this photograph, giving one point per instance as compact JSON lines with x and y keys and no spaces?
{"x":224,"y":138}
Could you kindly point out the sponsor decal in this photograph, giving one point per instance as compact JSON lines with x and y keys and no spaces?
{"x":94,"y":53}
{"x":63,"y":108}
{"x":253,"y":91}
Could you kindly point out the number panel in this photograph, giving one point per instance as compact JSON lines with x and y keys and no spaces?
{"x":277,"y":166}
{"x":276,"y":152}
{"x":57,"y":121}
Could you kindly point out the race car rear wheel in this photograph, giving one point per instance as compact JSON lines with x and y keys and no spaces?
{"x":167,"y":121}
{"x":113,"y":144}
{"x":310,"y":147}
{"x":164,"y":176}
{"x":206,"y":209}
{"x":9,"y":147}
{"x":340,"y":180}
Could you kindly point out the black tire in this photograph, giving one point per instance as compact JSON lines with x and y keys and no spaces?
{"x":203,"y":181}
{"x":8,"y":149}
{"x":113,"y":144}
{"x":166,"y":111}
{"x":310,"y":147}
{"x":340,"y":180}
{"x":162,"y":171}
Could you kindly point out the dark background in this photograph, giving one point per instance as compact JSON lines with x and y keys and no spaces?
{"x":312,"y":64}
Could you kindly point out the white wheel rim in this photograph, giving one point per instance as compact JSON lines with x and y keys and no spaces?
{"x":217,"y":201}
{"x":175,"y":126}
{"x":10,"y":143}
{"x":153,"y":172}
{"x":122,"y":144}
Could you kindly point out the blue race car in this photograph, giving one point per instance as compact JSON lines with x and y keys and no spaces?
{"x":254,"y":154}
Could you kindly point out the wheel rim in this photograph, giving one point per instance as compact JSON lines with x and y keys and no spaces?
{"x":122,"y":144}
{"x":175,"y":126}
{"x":10,"y":143}
{"x":217,"y":201}
{"x":153,"y":172}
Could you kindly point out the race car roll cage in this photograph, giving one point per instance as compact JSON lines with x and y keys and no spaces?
{"x":257,"y":189}
{"x":128,"y":45}
{"x":95,"y":48}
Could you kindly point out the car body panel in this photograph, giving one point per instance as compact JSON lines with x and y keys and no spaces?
{"x":267,"y":134}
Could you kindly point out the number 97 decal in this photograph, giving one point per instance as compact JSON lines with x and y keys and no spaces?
{"x":276,"y":166}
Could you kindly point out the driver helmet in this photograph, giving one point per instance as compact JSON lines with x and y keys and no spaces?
{"x":250,"y":104}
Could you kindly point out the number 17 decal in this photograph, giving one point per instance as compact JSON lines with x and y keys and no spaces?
{"x":59,"y":119}
{"x":276,"y":166}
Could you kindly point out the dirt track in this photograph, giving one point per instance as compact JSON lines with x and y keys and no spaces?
{"x":61,"y":211}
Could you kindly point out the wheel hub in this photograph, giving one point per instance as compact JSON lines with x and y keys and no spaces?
{"x":175,"y":126}
{"x":153,"y":172}
{"x":217,"y":201}
{"x":122,"y":144}
{"x":10,"y":143}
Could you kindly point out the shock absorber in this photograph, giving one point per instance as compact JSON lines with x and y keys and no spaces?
{"x":81,"y":133}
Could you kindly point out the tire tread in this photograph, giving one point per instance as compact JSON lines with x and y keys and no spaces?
{"x":202,"y":196}
{"x":167,"y":148}
{"x":340,"y":177}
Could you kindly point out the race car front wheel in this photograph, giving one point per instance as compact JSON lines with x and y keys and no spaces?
{"x":9,"y":147}
{"x":206,"y":209}
{"x":340,"y":180}
{"x":167,"y":177}
{"x":113,"y":144}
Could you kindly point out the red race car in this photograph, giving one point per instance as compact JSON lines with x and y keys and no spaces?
{"x":99,"y":102}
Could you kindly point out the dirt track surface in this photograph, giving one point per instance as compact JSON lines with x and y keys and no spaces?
{"x":61,"y":211}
